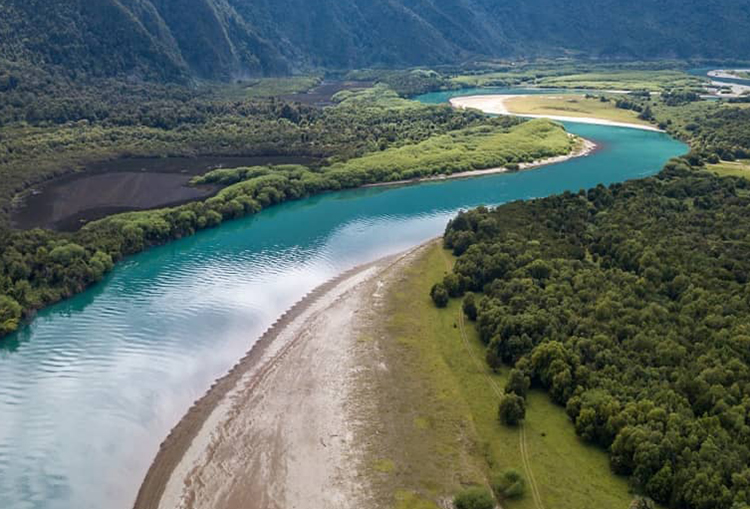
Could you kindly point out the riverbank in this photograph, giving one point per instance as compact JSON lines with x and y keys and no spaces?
{"x":584,"y":148}
{"x":177,"y":317}
{"x":366,"y":395}
{"x":731,"y":74}
{"x":279,"y":430}
{"x":496,"y":104}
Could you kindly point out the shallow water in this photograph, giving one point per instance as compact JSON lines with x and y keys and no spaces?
{"x":93,"y":385}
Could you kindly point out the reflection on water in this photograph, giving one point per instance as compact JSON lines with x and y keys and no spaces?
{"x":91,"y":387}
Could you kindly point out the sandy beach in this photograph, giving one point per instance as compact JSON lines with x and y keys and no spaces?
{"x":280,"y":430}
{"x":495,"y":104}
{"x":737,"y":89}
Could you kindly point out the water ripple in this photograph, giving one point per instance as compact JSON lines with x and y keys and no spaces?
{"x":88,"y":392}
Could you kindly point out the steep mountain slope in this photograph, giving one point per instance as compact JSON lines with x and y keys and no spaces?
{"x":222,"y":39}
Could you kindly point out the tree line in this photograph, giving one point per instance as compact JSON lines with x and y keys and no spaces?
{"x":630,"y":305}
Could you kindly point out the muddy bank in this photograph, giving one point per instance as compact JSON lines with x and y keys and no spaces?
{"x":68,"y":202}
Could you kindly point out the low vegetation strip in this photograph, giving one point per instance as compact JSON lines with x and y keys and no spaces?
{"x":636,"y":325}
{"x":499,"y":394}
{"x":572,"y":106}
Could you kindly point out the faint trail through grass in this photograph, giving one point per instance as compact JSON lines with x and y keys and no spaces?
{"x":499,"y":393}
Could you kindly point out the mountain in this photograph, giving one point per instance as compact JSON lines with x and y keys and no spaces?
{"x":172,"y":40}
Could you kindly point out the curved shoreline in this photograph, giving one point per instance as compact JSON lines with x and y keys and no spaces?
{"x":495,"y":104}
{"x":262,"y":357}
{"x":587,"y":148}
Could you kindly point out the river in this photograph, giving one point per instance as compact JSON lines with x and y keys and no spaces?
{"x":92,"y":386}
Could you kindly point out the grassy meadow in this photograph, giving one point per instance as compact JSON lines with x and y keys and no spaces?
{"x":576,"y":77}
{"x":572,"y":106}
{"x":732,"y":168}
{"x":441,"y":408}
{"x":465,"y":150}
{"x":653,"y":81}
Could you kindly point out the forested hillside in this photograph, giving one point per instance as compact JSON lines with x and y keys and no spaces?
{"x":222,"y":39}
{"x":630,"y":305}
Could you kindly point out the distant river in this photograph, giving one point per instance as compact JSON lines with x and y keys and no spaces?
{"x":703,"y":72}
{"x":90,"y":389}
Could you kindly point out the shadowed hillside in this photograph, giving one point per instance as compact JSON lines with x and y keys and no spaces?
{"x":173,"y":40}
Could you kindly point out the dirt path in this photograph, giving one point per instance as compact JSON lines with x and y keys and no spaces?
{"x":499,"y":392}
{"x":281,"y":430}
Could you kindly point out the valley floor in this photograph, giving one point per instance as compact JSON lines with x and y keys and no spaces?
{"x":365,"y":395}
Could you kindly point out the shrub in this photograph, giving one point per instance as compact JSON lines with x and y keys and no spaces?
{"x":641,"y":503}
{"x":10,"y":314}
{"x":512,"y":409}
{"x":474,"y":498}
{"x":508,"y":484}
{"x":518,"y":383}
{"x":470,"y":306}
{"x":439,"y":295}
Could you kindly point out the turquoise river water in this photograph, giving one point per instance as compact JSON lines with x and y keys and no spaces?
{"x":91,"y":387}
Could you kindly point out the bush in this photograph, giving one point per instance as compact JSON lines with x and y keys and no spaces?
{"x":452,"y":285}
{"x":439,"y":295}
{"x":474,"y":498}
{"x":512,"y":409}
{"x":10,"y":314}
{"x":518,"y":383}
{"x":470,"y":306}
{"x":508,"y":484}
{"x":642,"y":503}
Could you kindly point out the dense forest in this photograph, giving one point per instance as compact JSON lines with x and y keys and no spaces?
{"x":179,"y":41}
{"x":630,"y":306}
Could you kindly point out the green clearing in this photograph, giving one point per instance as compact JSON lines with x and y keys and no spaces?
{"x":732,"y":168}
{"x":379,"y":96}
{"x":441,"y":411}
{"x":572,"y":106}
{"x":494,"y":79}
{"x":465,"y":150}
{"x":654,"y":81}
{"x":270,"y":87}
{"x":572,"y":76}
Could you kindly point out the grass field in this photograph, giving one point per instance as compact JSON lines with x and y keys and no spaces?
{"x":443,"y":429}
{"x":268,"y":87}
{"x":572,"y":77}
{"x":732,"y":168}
{"x":464,"y":150}
{"x":654,"y":81}
{"x":571,"y":106}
